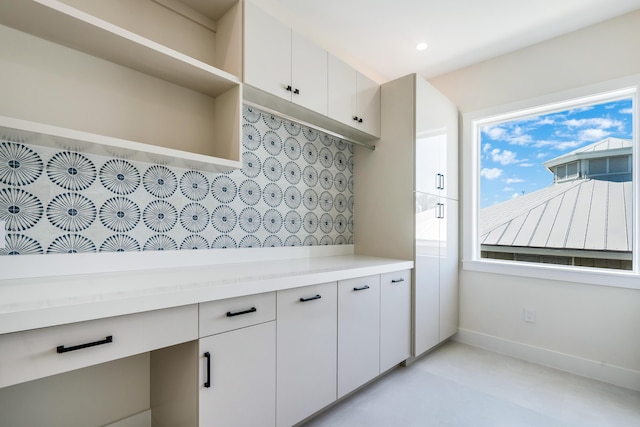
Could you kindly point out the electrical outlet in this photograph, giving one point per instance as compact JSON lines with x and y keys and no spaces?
{"x":3,"y":234}
{"x":529,"y":315}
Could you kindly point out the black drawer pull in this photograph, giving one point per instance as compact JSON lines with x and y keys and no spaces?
{"x":310,"y":298}
{"x":397,"y":280}
{"x":207,"y":356}
{"x":362,"y":288}
{"x":239,"y":313}
{"x":63,"y":349}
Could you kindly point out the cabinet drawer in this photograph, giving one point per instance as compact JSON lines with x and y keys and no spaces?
{"x":29,"y":355}
{"x":234,"y":313}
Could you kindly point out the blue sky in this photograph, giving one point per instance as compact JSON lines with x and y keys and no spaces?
{"x":512,"y":153}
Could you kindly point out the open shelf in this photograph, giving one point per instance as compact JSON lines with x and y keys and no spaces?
{"x":90,"y":75}
{"x":26,"y":132}
{"x":63,"y":24}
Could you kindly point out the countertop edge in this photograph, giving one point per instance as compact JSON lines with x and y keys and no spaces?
{"x":35,"y":317}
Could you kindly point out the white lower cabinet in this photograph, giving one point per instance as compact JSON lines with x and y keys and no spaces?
{"x":395,"y":318}
{"x":237,"y":362}
{"x":238,"y":378}
{"x":358,"y":332}
{"x":307,"y":351}
{"x":268,"y":359}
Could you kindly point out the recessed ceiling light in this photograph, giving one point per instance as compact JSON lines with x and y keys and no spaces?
{"x":422,"y":46}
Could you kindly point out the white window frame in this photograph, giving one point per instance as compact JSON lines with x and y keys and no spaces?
{"x":628,"y":87}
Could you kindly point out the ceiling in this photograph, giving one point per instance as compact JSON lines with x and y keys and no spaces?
{"x":380,"y":36}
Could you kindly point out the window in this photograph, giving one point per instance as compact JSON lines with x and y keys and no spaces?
{"x":553,"y":187}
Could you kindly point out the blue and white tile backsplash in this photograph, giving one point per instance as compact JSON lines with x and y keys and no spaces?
{"x":295,"y":188}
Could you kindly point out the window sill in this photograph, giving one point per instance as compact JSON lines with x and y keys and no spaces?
{"x":590,"y":276}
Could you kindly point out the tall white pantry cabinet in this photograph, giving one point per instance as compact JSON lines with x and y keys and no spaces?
{"x":408,"y":193}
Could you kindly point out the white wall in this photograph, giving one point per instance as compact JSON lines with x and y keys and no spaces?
{"x":592,"y":330}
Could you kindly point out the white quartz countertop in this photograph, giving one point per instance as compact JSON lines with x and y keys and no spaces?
{"x":48,"y":301}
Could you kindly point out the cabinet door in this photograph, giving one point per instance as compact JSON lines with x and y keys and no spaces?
{"x":436,"y":142}
{"x":448,"y":267}
{"x":267,"y":52}
{"x":358,"y":332}
{"x":241,"y":378}
{"x":342,"y":91}
{"x":395,"y":318}
{"x":426,"y":289}
{"x":307,"y":351}
{"x":309,"y":74}
{"x":368,"y":105}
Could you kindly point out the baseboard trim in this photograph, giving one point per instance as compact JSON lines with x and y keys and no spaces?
{"x":143,"y":419}
{"x":565,"y":362}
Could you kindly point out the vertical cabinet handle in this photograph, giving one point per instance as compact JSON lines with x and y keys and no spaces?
{"x":440,"y":210}
{"x":362,"y":288}
{"x":439,"y":181}
{"x":397,"y":280}
{"x":63,"y":349}
{"x":207,"y":356}
{"x":310,"y":298}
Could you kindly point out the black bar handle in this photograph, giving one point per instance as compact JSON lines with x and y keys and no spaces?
{"x":362,"y":288}
{"x":310,"y":298}
{"x":289,"y":88}
{"x":355,"y":118}
{"x":207,"y":356}
{"x":397,"y":280}
{"x":297,"y":91}
{"x":239,"y":313}
{"x":63,"y":349}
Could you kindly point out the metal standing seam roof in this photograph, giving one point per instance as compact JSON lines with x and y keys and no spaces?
{"x":585,"y":214}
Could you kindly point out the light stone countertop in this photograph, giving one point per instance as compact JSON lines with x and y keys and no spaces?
{"x":39,"y":302}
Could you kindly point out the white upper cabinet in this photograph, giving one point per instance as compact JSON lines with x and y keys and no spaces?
{"x":290,"y":74}
{"x":354,"y":99}
{"x":368,"y":104}
{"x":284,"y":63}
{"x":267,"y":52}
{"x":308,"y":74}
{"x":436,"y":142}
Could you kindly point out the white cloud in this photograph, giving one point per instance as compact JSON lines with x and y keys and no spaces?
{"x":626,"y":111}
{"x":494,"y":132}
{"x":486,"y":147}
{"x":593,"y":134}
{"x":526,"y":165}
{"x":545,"y":121}
{"x":508,"y":189}
{"x":521,"y":140}
{"x":504,"y":157}
{"x":515,"y":195}
{"x":595,"y":122}
{"x":513,"y":180}
{"x":558,"y":145}
{"x":490,"y":173}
